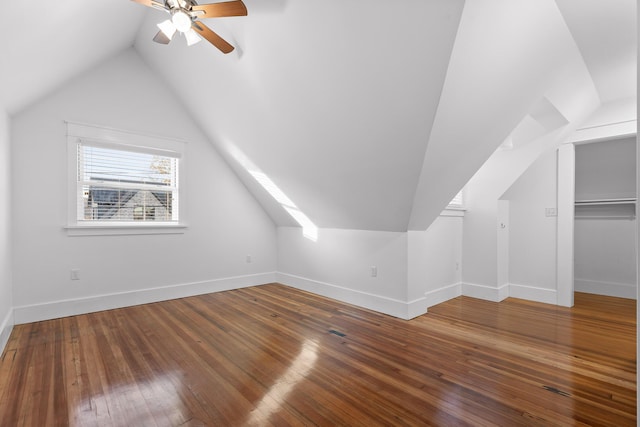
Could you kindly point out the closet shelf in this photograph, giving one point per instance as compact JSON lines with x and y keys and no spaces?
{"x":630,"y":217}
{"x":601,"y":202}
{"x":613,"y":208}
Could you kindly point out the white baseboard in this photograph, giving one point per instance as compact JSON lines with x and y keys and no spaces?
{"x":56,"y":309}
{"x":390,"y":306}
{"x":531,"y":293}
{"x":416,"y":308}
{"x":5,"y":330}
{"x":443,"y":294}
{"x":620,"y":290}
{"x":489,"y":293}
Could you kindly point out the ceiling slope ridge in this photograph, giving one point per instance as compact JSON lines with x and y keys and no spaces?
{"x":337,"y":121}
{"x":502,"y":66}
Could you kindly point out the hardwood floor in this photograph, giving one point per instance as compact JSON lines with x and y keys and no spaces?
{"x":272,"y":355}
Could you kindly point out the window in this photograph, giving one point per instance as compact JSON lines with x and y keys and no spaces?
{"x":144,"y":213}
{"x":125,"y":185}
{"x":457,"y":202}
{"x":122,"y":181}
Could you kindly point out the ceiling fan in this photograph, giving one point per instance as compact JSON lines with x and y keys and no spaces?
{"x":184,"y":19}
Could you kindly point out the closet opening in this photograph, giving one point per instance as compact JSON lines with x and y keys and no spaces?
{"x":605,"y":258}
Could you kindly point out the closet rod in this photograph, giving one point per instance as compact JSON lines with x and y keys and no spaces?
{"x":605,"y":217}
{"x":605,"y":202}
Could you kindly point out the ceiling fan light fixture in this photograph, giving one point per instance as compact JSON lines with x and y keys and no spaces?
{"x":185,"y":16}
{"x":192,"y":37}
{"x":181,"y":21}
{"x":167,"y":28}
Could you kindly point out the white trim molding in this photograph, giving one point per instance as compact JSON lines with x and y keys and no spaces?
{"x":532,"y":293}
{"x":440,"y":295}
{"x":124,"y":230}
{"x":417,"y":307}
{"x":459,"y":212}
{"x":105,"y":137}
{"x":5,"y":330}
{"x":401,"y":309}
{"x":565,"y":224}
{"x":72,"y":307}
{"x":605,"y":131}
{"x":489,"y":293}
{"x":390,"y":306}
{"x":620,"y":290}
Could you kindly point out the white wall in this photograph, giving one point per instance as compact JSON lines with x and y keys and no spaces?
{"x":484,"y":190}
{"x":501,"y":171}
{"x":564,"y":103}
{"x":435,"y":263}
{"x":338,"y":265}
{"x":533,"y":232}
{"x":605,"y":257}
{"x":606,"y":169}
{"x":415,"y":269}
{"x":225,"y":223}
{"x":6,"y":295}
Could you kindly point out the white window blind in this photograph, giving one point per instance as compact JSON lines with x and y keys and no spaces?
{"x":126,"y":184}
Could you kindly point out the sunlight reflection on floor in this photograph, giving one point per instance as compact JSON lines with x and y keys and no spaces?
{"x":140,"y":402}
{"x":277,"y":394}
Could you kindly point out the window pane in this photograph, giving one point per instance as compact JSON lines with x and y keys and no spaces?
{"x":118,"y":185}
{"x":103,"y":164}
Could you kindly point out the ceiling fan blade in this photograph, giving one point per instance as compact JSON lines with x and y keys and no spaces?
{"x":212,"y":37}
{"x":161,"y":38}
{"x":219,"y":10}
{"x":151,"y":3}
{"x":145,"y":2}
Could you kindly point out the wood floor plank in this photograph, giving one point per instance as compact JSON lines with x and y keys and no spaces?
{"x":275,"y":356}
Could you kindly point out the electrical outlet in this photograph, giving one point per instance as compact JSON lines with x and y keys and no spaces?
{"x":248,"y":259}
{"x":550,"y":212}
{"x":75,"y":274}
{"x":374,"y":271}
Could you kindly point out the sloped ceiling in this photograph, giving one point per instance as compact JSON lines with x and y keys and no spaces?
{"x":332,"y":100}
{"x":507,"y":58}
{"x":45,"y":43}
{"x":359,"y":112}
{"x":606,"y":33}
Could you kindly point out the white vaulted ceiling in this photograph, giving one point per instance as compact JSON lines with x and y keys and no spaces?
{"x":333,"y":101}
{"x":606,"y":33}
{"x":43,"y":44}
{"x":365,"y":114}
